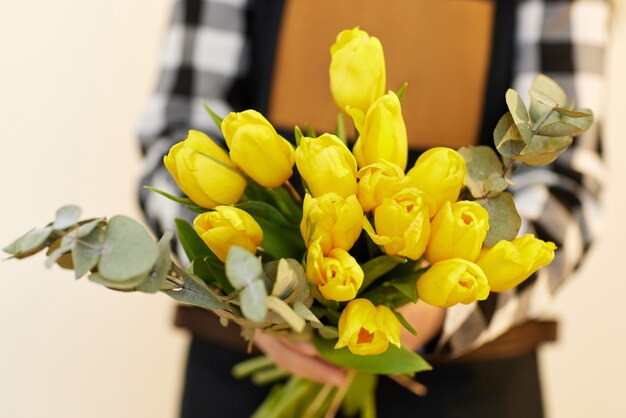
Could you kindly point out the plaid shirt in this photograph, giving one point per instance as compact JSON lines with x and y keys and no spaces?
{"x":564,"y":39}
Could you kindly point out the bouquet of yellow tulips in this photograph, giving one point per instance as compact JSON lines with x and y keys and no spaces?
{"x":332,"y":259}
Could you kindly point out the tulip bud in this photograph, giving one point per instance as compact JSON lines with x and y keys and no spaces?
{"x":367,"y":329}
{"x":334,"y":221}
{"x":357,"y":69}
{"x":377,"y":181}
{"x":457,"y":231}
{"x":257,"y":149}
{"x":383,"y":134}
{"x":452,"y":281}
{"x":508,"y":263}
{"x":402,"y":224}
{"x":201,"y":170}
{"x":227,"y":226}
{"x":440,"y":173}
{"x":326,"y":165}
{"x":338,"y":276}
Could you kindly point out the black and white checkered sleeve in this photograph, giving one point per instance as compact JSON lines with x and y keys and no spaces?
{"x":204,"y":52}
{"x":564,"y":39}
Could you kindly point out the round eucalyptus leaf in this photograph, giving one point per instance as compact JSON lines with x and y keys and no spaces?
{"x":128,"y":284}
{"x":519,"y":113}
{"x":507,"y":137}
{"x":285,"y":282}
{"x":253,"y":300}
{"x":86,"y":252}
{"x":129,"y":251}
{"x":504,"y":221}
{"x":158,"y":272}
{"x":483,"y":164}
{"x":66,"y":217}
{"x":30,"y":243}
{"x":559,"y":128}
{"x":242,"y":267}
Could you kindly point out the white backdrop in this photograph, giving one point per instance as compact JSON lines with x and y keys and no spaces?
{"x":73,"y":77}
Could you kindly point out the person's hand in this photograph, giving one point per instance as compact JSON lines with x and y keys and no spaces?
{"x":427,"y":321}
{"x":300,"y":359}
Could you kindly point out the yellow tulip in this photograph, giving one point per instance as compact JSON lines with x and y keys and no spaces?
{"x":440,"y":173}
{"x":257,"y":149}
{"x":382,"y":135}
{"x":402,"y":224}
{"x":204,"y":172}
{"x":457,"y":231}
{"x":367,"y":329}
{"x":338,"y":276}
{"x":326,"y":165}
{"x":357,"y":69}
{"x":377,"y":181}
{"x":333,"y":220}
{"x":227,"y":226}
{"x":452,"y":281}
{"x":508,"y":263}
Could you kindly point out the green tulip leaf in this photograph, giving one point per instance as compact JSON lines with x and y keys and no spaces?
{"x":405,"y":323}
{"x":504,"y":221}
{"x":193,"y":291}
{"x":66,"y":217}
{"x":407,"y":284}
{"x":86,"y":252}
{"x":507,"y":137}
{"x":281,"y":239}
{"x":182,"y":200}
{"x":290,"y":316}
{"x":402,"y":90}
{"x":265,"y":211}
{"x":483,"y":166}
{"x":520,"y":115}
{"x":192,"y":244}
{"x":298,"y":135}
{"x":158,"y":273}
{"x":377,"y":267}
{"x":214,"y":116}
{"x":285,"y":203}
{"x":129,"y":251}
{"x":393,"y":361}
{"x":340,"y":129}
{"x":211,"y":269}
{"x":310,"y":131}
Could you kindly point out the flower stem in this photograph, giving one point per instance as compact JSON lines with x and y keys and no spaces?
{"x":340,"y":395}
{"x":293,"y":192}
{"x":410,"y":384}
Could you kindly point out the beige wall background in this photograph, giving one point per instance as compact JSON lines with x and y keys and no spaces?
{"x":73,"y":77}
